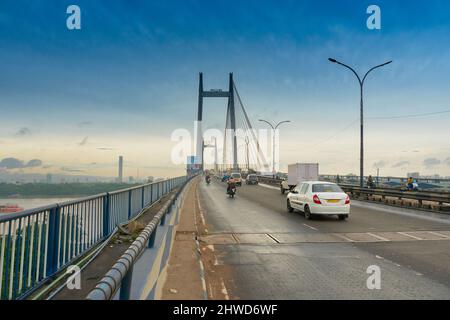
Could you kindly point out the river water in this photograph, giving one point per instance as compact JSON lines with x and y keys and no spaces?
{"x":30,"y":203}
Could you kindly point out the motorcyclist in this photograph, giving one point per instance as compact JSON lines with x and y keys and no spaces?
{"x":231,"y":183}
{"x":207,"y":178}
{"x":410,"y":183}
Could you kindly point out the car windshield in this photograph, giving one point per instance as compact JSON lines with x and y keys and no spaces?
{"x":326,"y":188}
{"x":250,"y":177}
{"x":236,"y":175}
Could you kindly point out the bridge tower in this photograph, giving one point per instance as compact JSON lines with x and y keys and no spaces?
{"x":230,"y":113}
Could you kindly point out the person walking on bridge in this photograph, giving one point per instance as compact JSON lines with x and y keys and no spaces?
{"x":370,"y":182}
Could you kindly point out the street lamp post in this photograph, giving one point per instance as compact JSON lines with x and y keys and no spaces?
{"x":361,"y":85}
{"x":273,"y":141}
{"x":247,"y":158}
{"x":247,"y":141}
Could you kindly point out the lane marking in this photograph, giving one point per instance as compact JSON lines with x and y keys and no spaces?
{"x":439,"y":234}
{"x":200,"y":209}
{"x":408,"y":235}
{"x":343,"y":237}
{"x":197,"y":243}
{"x":210,"y":291}
{"x":224,"y":289}
{"x":311,"y":227}
{"x":378,"y":237}
{"x":268,"y":186}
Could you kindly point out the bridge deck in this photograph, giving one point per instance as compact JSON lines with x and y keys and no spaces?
{"x":272,"y":254}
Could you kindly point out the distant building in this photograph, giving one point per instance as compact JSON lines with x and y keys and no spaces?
{"x":414,"y":175}
{"x":120,"y":178}
{"x":49,"y":178}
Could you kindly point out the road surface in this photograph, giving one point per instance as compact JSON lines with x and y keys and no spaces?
{"x":274,"y":254}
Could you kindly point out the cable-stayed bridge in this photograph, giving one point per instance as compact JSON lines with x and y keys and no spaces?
{"x":185,"y":239}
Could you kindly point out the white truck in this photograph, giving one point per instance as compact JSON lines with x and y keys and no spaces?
{"x":299,"y":172}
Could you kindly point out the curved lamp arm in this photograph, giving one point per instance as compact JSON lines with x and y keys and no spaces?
{"x":379,"y":66}
{"x":355,"y":73}
{"x":267,"y":123}
{"x":281,"y":123}
{"x":348,"y":67}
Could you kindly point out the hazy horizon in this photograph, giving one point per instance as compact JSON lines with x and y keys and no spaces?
{"x":72,"y":101}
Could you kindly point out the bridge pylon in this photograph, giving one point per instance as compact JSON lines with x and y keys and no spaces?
{"x":231,"y":117}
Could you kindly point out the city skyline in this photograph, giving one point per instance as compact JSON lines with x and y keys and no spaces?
{"x":73,"y":101}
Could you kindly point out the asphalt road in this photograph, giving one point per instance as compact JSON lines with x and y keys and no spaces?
{"x":279,"y":255}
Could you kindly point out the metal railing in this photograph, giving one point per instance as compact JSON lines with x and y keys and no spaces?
{"x":269,"y":180}
{"x":442,"y":200}
{"x":36,"y":244}
{"x":385,"y":181}
{"x":120,"y":276}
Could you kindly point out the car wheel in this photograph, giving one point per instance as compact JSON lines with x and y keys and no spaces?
{"x":343,"y":216}
{"x":289,"y":208}
{"x":308,"y":214}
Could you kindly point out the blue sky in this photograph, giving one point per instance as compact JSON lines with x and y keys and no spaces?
{"x":129,"y":77}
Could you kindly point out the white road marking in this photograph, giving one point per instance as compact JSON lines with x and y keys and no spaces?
{"x":311,"y":227}
{"x":200,"y":262}
{"x":344,"y":237}
{"x":408,"y":235}
{"x":439,"y":234}
{"x":268,"y":186}
{"x":377,"y":236}
{"x":224,"y":290}
{"x":210,"y":291}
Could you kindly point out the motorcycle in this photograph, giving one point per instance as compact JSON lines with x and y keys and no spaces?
{"x":412,"y":187}
{"x":231,"y":192}
{"x":208,"y":180}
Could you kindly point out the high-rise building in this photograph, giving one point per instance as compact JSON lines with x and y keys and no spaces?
{"x":120,"y":178}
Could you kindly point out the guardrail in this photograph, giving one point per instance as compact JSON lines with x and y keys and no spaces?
{"x":121,"y":273}
{"x":431,"y":182}
{"x":269,"y":180}
{"x":442,"y":200}
{"x":36,"y":244}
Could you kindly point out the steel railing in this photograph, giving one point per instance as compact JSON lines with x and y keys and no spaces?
{"x":120,"y":276}
{"x":351,"y":179}
{"x":441,"y":199}
{"x":36,"y":244}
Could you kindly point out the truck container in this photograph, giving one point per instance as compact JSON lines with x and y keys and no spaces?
{"x":299,"y":172}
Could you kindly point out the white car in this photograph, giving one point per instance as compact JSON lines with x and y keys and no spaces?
{"x":321,"y":198}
